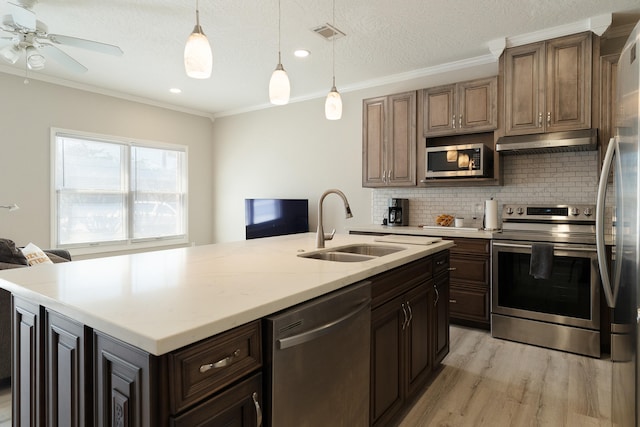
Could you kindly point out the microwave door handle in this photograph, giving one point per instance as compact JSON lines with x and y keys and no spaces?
{"x":600,"y":200}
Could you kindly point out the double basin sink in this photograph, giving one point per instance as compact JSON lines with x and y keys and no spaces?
{"x":353,"y":253}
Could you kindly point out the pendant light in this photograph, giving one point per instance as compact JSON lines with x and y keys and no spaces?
{"x":279,"y":88}
{"x":198,"y":59}
{"x":333,"y":104}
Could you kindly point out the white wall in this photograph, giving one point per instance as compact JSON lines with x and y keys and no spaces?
{"x":292,"y":151}
{"x":27,"y":113}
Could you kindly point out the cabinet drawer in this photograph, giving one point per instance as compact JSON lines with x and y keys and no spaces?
{"x":440,"y":262}
{"x":469,"y":304}
{"x":471,"y":246}
{"x":241,"y":405}
{"x":474,"y":270}
{"x":202,"y":369}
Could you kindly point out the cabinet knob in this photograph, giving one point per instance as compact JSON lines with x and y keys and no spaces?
{"x":540,"y":119}
{"x":549,"y":118}
{"x":453,"y":121}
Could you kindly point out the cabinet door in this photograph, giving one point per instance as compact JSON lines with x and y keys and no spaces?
{"x":477,"y":105}
{"x":68,"y":388}
{"x":401,"y":146}
{"x":373,"y":142}
{"x":240,"y":406}
{"x":419,"y":358}
{"x":524,"y":89}
{"x":27,"y":384}
{"x":568,"y":91}
{"x":440,"y":110}
{"x":440,"y":317}
{"x":122,"y":384}
{"x":608,"y":86}
{"x":387,"y":365}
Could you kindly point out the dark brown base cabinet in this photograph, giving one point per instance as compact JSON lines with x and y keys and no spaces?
{"x":409,"y":333}
{"x":66,"y":374}
{"x":470,"y":282}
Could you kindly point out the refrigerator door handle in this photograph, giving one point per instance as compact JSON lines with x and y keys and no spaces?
{"x":600,"y":201}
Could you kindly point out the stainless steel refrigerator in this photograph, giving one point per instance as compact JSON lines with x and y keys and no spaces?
{"x":620,"y":280}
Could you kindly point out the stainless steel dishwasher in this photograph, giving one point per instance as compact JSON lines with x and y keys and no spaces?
{"x":318,"y":361}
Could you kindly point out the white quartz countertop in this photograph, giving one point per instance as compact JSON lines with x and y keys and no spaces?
{"x":161,"y":301}
{"x":426,"y":230}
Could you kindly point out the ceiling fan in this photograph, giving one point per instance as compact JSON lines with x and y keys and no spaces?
{"x":30,"y":36}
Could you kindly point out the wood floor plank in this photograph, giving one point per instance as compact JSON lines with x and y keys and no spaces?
{"x":492,"y":382}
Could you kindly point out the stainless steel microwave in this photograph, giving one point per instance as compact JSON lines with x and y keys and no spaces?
{"x":469,"y":160}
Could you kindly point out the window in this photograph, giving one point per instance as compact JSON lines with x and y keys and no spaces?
{"x":112,"y":191}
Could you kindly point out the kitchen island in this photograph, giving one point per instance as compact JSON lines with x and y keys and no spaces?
{"x":126,"y":310}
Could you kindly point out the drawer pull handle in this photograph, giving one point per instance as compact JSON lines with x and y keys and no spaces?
{"x":452,"y":301}
{"x":258,"y":410}
{"x":220,"y":363}
{"x":435,"y":288}
{"x":406,"y":317}
{"x":452,"y":269}
{"x":440,"y":262}
{"x":410,"y":314}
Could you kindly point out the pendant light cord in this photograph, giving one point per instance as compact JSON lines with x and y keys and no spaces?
{"x":279,"y":20}
{"x":333,"y":43}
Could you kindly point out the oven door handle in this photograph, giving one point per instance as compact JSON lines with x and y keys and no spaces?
{"x":555,"y":248}
{"x":610,"y":292}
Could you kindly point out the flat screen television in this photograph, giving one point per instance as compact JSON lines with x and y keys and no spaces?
{"x":275,"y":217}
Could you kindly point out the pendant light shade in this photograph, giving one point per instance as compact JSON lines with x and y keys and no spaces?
{"x":198,"y":59}
{"x":333,"y":104}
{"x":279,"y":87}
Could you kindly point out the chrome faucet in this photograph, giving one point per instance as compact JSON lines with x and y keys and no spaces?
{"x":321,"y":237}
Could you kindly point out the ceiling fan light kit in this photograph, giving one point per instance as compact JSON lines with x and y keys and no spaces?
{"x":198,"y":59}
{"x":10,"y":53}
{"x":279,"y":86}
{"x":31,"y":36}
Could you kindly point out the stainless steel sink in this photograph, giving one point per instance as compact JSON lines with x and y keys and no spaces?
{"x":338,"y":256}
{"x":353,"y":253}
{"x":370,"y":250}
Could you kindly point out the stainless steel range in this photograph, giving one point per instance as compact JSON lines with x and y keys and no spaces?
{"x":560,"y":307}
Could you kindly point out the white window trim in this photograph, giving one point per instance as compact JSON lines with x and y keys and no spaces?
{"x":107,"y":247}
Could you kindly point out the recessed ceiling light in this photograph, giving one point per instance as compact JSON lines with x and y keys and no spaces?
{"x":302,"y":53}
{"x":175,"y":90}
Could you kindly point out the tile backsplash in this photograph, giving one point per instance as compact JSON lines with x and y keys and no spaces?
{"x":550,"y":178}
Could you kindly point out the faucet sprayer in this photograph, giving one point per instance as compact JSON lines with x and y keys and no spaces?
{"x":321,"y":237}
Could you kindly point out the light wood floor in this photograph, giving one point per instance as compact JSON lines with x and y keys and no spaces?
{"x":490,"y":382}
{"x":495,"y":383}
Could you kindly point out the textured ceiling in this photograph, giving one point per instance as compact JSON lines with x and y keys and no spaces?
{"x":384,"y":39}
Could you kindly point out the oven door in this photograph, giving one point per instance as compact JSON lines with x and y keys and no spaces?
{"x":569,"y":297}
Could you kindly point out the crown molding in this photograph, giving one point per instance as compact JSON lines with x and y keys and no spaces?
{"x":597,"y":24}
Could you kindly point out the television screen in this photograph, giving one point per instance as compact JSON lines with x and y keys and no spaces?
{"x":275,"y":217}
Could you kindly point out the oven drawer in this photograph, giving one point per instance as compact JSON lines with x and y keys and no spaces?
{"x":469,"y":304}
{"x":202,"y":369}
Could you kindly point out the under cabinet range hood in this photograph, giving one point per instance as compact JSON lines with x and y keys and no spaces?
{"x":577,"y":140}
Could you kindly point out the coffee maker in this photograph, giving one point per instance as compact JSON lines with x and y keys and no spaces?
{"x":398,"y":212}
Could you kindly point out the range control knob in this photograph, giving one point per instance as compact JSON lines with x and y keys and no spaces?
{"x":588,"y":212}
{"x":509,"y":211}
{"x":519,"y":211}
{"x":575,"y":211}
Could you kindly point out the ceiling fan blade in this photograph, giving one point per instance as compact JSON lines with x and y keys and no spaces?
{"x":22,"y":17}
{"x":85,"y":44}
{"x":62,"y":58}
